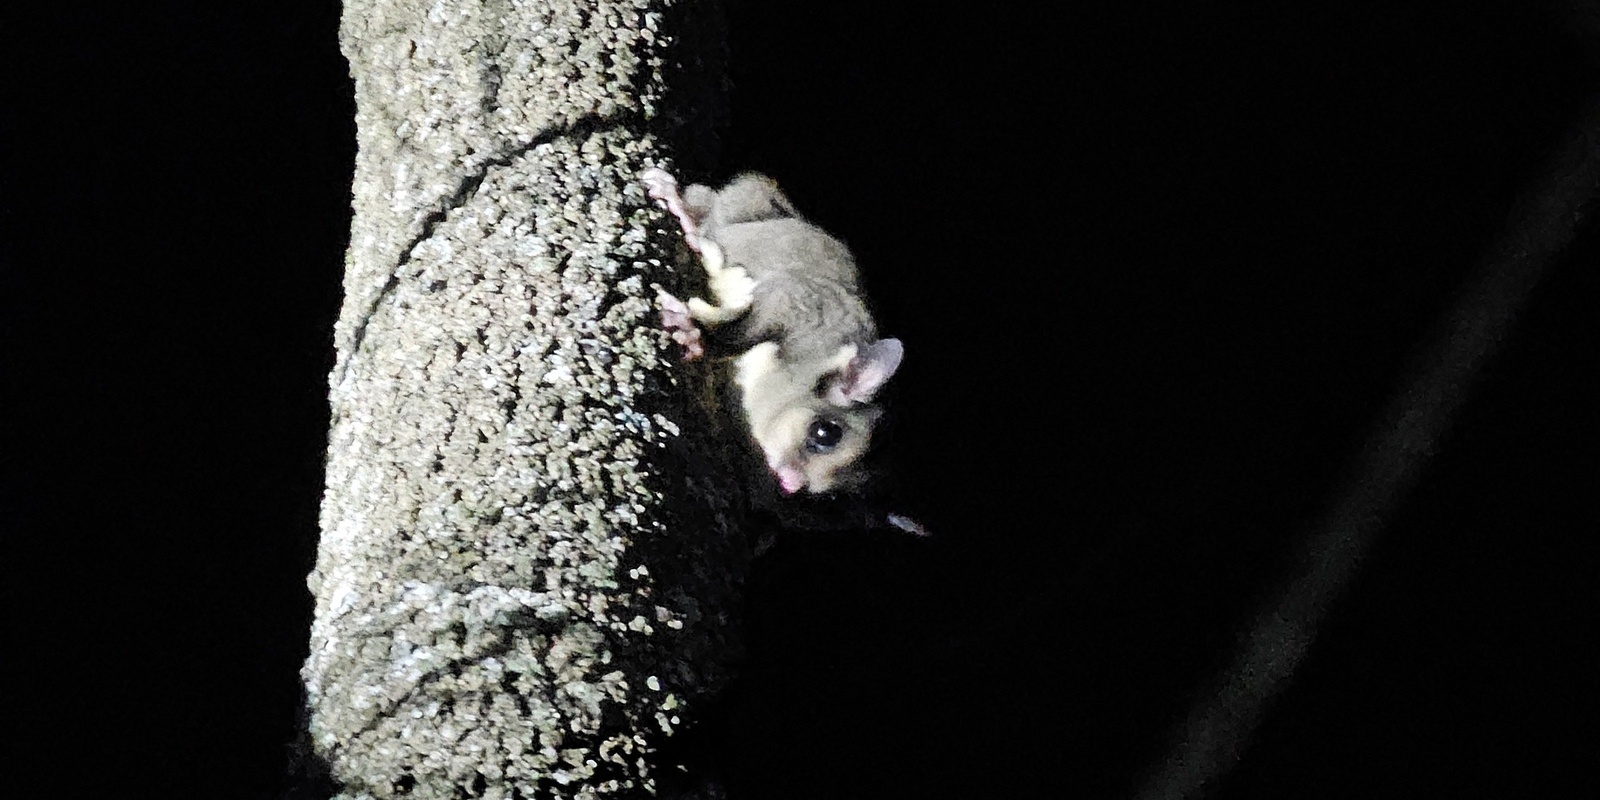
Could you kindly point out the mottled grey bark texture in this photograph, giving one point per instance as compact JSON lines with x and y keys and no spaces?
{"x":526,"y":568}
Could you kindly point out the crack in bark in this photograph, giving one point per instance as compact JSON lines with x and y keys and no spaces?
{"x":581,"y":127}
{"x":499,"y":646}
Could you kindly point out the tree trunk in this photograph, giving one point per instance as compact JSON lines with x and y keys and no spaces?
{"x":527,"y":563}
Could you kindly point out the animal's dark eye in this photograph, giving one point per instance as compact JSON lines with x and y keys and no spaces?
{"x":823,"y":436}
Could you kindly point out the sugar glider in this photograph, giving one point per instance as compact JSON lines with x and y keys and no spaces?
{"x":787,"y":300}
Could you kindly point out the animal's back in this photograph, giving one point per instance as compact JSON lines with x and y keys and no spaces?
{"x":806,"y":290}
{"x":789,"y":246}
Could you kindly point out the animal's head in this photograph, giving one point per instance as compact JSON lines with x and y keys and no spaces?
{"x":813,"y":435}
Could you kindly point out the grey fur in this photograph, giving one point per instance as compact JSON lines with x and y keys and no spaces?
{"x":808,"y":295}
{"x":789,"y":285}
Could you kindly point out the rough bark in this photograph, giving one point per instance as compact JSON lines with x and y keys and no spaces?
{"x":526,"y":565}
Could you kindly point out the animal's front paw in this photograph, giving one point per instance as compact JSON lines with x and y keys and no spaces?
{"x":660,"y":183}
{"x":675,"y":318}
{"x":663,"y":187}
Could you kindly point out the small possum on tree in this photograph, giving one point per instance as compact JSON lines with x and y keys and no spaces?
{"x":808,"y":360}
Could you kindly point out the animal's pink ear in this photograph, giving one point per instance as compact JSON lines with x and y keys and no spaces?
{"x":867,"y":372}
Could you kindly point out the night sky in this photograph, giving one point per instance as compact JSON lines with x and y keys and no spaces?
{"x":1159,"y":269}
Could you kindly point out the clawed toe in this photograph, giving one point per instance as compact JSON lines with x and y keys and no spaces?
{"x":675,"y":318}
{"x":689,"y":340}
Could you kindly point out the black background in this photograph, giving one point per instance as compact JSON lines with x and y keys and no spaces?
{"x":1158,"y":270}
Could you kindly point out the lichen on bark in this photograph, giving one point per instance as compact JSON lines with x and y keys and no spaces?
{"x":527,"y":564}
